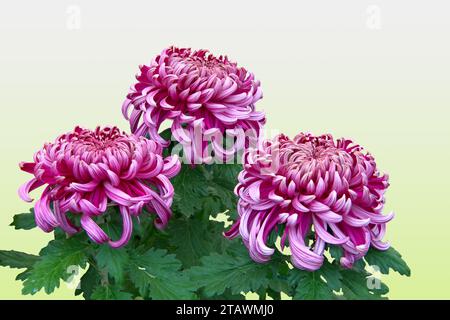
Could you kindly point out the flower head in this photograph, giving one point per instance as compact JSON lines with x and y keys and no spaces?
{"x":86,"y":171}
{"x":204,"y":96}
{"x":323,"y":191}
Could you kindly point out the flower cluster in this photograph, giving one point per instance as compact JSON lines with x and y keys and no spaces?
{"x":318,"y":191}
{"x":207,"y":98}
{"x":86,"y":171}
{"x":323,"y":191}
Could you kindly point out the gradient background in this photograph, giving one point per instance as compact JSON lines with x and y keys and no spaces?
{"x":374,"y":71}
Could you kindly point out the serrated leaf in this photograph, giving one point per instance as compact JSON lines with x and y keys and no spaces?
{"x":236,"y":272}
{"x":24,"y":221}
{"x":110,"y":292}
{"x":226,"y":174}
{"x":227,"y":295}
{"x":88,"y":282}
{"x":357,"y":286}
{"x":113,"y":261}
{"x":194,"y":239}
{"x":157,"y":275}
{"x":54,"y":263}
{"x":312,"y":287}
{"x":278,"y":285}
{"x":359,"y":265}
{"x":17,"y":259}
{"x":190,"y":238}
{"x":389,"y":259}
{"x":189,"y":187}
{"x":316,"y":285}
{"x":206,"y":188}
{"x":23,"y":275}
{"x":212,"y":205}
{"x":224,"y":180}
{"x":331,"y":274}
{"x":336,"y":252}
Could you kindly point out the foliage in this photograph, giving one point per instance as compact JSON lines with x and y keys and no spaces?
{"x":190,"y":259}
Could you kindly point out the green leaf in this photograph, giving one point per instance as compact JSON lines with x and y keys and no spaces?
{"x":278,"y":285}
{"x":194,"y":239}
{"x":316,"y":285}
{"x":224,"y":180}
{"x":212,"y":206}
{"x":227,"y":295}
{"x":16,"y":259}
{"x":190,"y":188}
{"x":110,"y":292}
{"x":237,"y":272}
{"x":145,"y":235}
{"x":336,"y":252}
{"x":359,"y":265}
{"x":311,"y":286}
{"x":389,"y":259}
{"x":54,"y":263}
{"x":206,"y":188}
{"x":331,"y":274}
{"x":357,"y":286}
{"x":24,"y":221}
{"x":88,"y":282}
{"x":113,"y":261}
{"x":23,"y":275}
{"x":157,"y":275}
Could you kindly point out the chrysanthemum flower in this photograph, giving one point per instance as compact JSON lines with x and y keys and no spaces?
{"x":205,"y":97}
{"x":323,"y":192}
{"x":86,"y":171}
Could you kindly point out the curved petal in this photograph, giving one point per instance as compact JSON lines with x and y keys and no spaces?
{"x":257,"y":249}
{"x":233,"y":232}
{"x":63,"y":222}
{"x":93,"y":230}
{"x":84,"y":187}
{"x":127,"y":228}
{"x":162,"y":210}
{"x":302,"y":256}
{"x":329,"y":216}
{"x":27,"y":187}
{"x":117,"y":195}
{"x":172,"y":166}
{"x":374,"y":218}
{"x":323,"y":233}
{"x":43,"y":215}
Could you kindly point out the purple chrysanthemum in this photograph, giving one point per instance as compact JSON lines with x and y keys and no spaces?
{"x":86,"y":171}
{"x":314,"y":186}
{"x":205,"y":97}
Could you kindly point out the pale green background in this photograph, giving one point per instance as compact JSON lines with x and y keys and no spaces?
{"x":322,"y":66}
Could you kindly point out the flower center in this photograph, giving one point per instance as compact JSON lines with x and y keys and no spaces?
{"x":92,"y":146}
{"x":313,"y":159}
{"x":209,"y":67}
